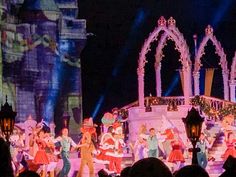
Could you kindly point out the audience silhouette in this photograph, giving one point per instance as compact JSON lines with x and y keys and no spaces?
{"x":191,"y":170}
{"x":29,"y":174}
{"x":150,"y":167}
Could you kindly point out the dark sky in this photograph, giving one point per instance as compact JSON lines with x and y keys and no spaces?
{"x":109,"y":60}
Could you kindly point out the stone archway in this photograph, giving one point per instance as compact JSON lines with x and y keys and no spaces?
{"x":223,"y":62}
{"x":170,"y":32}
{"x":232,"y":82}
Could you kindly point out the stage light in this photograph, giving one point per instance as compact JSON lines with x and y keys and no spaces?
{"x":140,"y":18}
{"x":173,"y":84}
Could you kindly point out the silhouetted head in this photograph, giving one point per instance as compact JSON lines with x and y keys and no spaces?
{"x":191,"y":170}
{"x":150,"y":167}
{"x":28,"y":174}
{"x":125,"y":172}
{"x":102,"y":173}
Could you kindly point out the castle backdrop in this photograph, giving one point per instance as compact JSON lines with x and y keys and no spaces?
{"x":40,"y":69}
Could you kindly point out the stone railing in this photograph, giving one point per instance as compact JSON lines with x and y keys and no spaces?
{"x":216,"y":104}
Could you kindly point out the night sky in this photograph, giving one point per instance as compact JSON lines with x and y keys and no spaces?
{"x":109,"y":60}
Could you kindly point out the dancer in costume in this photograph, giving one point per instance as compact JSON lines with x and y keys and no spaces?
{"x":227,"y":125}
{"x":17,"y":146}
{"x":104,"y":146}
{"x":107,"y":121}
{"x":176,"y":155}
{"x":168,"y":130}
{"x":87,"y":149}
{"x":231,"y":145}
{"x":41,"y":157}
{"x":115,"y":152}
{"x":203,"y":144}
{"x":140,"y":148}
{"x":66,"y":143}
{"x":89,"y":126}
{"x":152,"y":144}
{"x":50,"y":151}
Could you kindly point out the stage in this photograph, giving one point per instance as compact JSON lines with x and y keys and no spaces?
{"x":213,"y":168}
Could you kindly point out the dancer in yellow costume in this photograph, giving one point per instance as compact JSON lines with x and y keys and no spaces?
{"x":87,"y":149}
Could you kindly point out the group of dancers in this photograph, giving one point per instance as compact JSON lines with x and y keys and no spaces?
{"x":170,"y":145}
{"x":43,"y":150}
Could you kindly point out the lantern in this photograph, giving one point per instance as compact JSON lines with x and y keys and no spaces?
{"x":193,"y":125}
{"x":7,"y":119}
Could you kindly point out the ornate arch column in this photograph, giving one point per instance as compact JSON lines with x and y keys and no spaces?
{"x":158,"y":57}
{"x":186,"y":73}
{"x":232,"y":83}
{"x":196,"y":78}
{"x":140,"y":72}
{"x":158,"y":79}
{"x":232,"y":86}
{"x":226,"y":86}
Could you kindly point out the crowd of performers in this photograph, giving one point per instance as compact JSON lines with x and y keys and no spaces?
{"x":43,"y":150}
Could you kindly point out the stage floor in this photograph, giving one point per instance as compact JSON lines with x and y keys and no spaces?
{"x":214,"y":168}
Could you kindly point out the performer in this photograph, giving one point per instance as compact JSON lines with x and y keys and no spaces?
{"x":87,"y":148}
{"x":115,"y":152}
{"x":66,"y":142}
{"x":169,"y":135}
{"x":89,"y":126}
{"x":152,"y":144}
{"x":203,"y":144}
{"x":176,"y":156}
{"x":107,"y":121}
{"x":41,"y":156}
{"x":227,"y":125}
{"x":16,"y":148}
{"x":104,"y":147}
{"x":50,"y":151}
{"x":231,"y":144}
{"x":140,"y":148}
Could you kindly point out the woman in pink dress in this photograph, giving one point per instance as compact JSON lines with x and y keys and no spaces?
{"x":176,"y":155}
{"x":41,"y":157}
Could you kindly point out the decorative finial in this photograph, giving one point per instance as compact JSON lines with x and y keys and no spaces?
{"x":209,"y":30}
{"x":171,"y":21}
{"x":6,"y":98}
{"x":161,"y":21}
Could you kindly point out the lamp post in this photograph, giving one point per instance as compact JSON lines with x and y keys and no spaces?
{"x":193,"y":125}
{"x":7,"y":119}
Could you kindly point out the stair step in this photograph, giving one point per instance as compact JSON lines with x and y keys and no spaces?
{"x":219,"y":148}
{"x":213,"y":153}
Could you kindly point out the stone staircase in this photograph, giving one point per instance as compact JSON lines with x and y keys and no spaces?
{"x":214,"y":168}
